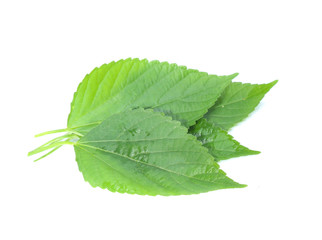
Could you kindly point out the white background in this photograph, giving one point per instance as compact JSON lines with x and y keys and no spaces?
{"x":47,"y":47}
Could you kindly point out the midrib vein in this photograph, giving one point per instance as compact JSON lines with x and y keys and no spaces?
{"x":134,"y":160}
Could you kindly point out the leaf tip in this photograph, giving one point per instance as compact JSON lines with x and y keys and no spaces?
{"x":254,"y":152}
{"x":235,"y":74}
{"x":232,"y":76}
{"x":273,"y":83}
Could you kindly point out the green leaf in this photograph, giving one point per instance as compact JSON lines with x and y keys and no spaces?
{"x":151,"y":152}
{"x":220,"y":144}
{"x":236,"y":103}
{"x":144,"y":152}
{"x":184,"y":94}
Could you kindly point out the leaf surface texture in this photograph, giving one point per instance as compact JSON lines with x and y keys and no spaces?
{"x":220,"y":144}
{"x":144,"y":152}
{"x":184,"y":94}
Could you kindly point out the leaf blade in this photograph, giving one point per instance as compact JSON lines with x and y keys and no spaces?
{"x":220,"y":144}
{"x":143,"y":152}
{"x":184,"y":94}
{"x":237,"y":101}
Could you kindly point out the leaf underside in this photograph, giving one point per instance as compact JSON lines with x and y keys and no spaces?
{"x":220,"y":144}
{"x":144,"y":152}
{"x":184,"y":94}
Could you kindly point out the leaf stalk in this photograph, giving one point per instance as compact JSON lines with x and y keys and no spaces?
{"x":70,"y":138}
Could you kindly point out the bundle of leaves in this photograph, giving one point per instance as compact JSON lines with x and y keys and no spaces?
{"x":154,"y":128}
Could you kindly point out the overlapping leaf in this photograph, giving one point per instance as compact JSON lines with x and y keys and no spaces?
{"x":184,"y":94}
{"x":125,"y":143}
{"x":236,"y":102}
{"x":220,"y":144}
{"x":143,"y":152}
